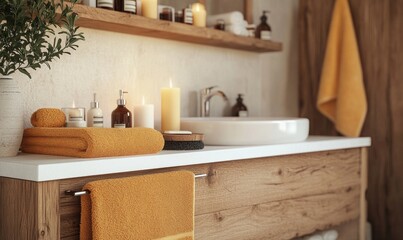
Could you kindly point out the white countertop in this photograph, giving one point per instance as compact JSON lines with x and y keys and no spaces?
{"x":45,"y":168}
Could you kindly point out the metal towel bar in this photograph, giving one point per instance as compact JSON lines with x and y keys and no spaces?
{"x":86,"y":192}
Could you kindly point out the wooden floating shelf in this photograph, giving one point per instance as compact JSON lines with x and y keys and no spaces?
{"x":113,"y":21}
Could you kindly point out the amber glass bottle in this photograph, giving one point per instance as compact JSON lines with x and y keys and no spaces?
{"x":121,"y":116}
{"x":263,"y":30}
{"x":239,"y":109}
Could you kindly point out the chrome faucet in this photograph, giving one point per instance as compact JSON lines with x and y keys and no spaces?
{"x":205,"y":97}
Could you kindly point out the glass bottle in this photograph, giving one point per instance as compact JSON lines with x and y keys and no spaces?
{"x":239,"y":109}
{"x":129,"y":6}
{"x":121,"y":116}
{"x":263,"y":31}
{"x":95,"y":117}
{"x":106,"y":4}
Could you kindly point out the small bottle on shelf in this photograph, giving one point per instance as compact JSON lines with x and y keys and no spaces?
{"x":90,"y":3}
{"x":179,"y":16}
{"x":128,"y":6}
{"x":167,"y":14}
{"x":95,"y":118}
{"x":263,"y":31}
{"x":239,"y":109}
{"x":106,"y":4}
{"x":188,"y":15}
{"x":220,"y":25}
{"x":121,"y":116}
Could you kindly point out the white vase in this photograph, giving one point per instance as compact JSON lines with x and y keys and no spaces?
{"x":11,"y":117}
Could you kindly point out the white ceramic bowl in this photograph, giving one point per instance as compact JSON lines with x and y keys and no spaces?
{"x":229,"y":131}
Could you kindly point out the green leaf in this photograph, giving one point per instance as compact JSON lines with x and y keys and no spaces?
{"x":27,"y":26}
{"x":22,"y":70}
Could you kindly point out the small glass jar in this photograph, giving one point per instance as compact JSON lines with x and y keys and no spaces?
{"x":75,"y":117}
{"x":179,"y":16}
{"x":220,"y":25}
{"x":166,"y":14}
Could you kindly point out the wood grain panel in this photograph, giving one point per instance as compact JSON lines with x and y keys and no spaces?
{"x":28,"y":210}
{"x":245,"y":183}
{"x":379,"y":29}
{"x":17,"y":208}
{"x":276,"y":178}
{"x":48,"y":210}
{"x":314,"y":19}
{"x":132,"y":24}
{"x":248,"y":11}
{"x":280,"y":220}
{"x":394,"y":165}
{"x":363,"y":197}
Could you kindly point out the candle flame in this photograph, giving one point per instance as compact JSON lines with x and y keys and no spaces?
{"x":197,"y":7}
{"x":170,"y":82}
{"x":74,"y":104}
{"x":144,"y":100}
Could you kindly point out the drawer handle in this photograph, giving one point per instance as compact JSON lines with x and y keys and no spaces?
{"x":77,"y":193}
{"x":86,"y":192}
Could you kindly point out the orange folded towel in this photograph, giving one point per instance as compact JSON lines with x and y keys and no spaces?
{"x":156,"y":206}
{"x":341,"y":96}
{"x":48,"y":117}
{"x":92,"y":142}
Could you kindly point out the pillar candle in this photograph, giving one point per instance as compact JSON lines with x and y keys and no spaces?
{"x":149,"y":8}
{"x":170,"y":109}
{"x":144,"y":115}
{"x":199,"y":14}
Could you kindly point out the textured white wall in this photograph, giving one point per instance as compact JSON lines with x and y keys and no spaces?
{"x":107,"y":62}
{"x":280,"y":70}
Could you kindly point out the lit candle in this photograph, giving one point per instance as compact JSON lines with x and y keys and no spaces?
{"x":75,"y":116}
{"x":199,"y":14}
{"x":144,"y":115}
{"x":170,"y":108}
{"x":149,"y":8}
{"x":73,"y":113}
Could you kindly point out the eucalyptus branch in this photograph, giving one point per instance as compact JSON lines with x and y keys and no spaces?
{"x":35,"y":32}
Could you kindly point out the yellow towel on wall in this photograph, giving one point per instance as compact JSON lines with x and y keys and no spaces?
{"x":92,"y":142}
{"x":156,"y":206}
{"x":341,"y":96}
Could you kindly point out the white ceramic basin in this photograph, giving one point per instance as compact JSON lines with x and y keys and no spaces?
{"x":229,"y":131}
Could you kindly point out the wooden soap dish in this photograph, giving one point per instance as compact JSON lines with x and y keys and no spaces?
{"x":183,"y":138}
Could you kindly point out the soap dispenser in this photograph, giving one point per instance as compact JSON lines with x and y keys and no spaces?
{"x":263,"y":31}
{"x":121,"y":116}
{"x":95,"y":118}
{"x":239,"y":109}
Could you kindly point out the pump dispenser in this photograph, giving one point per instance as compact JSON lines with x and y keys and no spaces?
{"x":239,"y":109}
{"x":263,"y":31}
{"x":95,"y":118}
{"x":121,"y":116}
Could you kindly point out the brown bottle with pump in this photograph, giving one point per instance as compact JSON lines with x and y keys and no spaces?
{"x":263,"y":30}
{"x":121,"y":116}
{"x":239,"y":109}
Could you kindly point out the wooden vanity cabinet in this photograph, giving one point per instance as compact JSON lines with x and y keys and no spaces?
{"x":281,"y":197}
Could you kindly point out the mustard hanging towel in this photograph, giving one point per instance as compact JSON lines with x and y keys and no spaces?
{"x":341,"y":96}
{"x":154,"y":206}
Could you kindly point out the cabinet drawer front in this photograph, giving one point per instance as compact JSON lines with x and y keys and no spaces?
{"x":243,"y":184}
{"x":285,"y":219}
